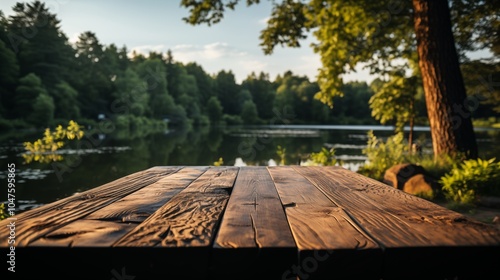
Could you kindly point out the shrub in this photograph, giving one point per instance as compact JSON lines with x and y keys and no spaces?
{"x":382,"y":155}
{"x":3,"y":212}
{"x":472,"y":178}
{"x":325,"y":157}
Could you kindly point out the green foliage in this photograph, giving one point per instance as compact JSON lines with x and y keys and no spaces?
{"x":382,"y":155}
{"x":394,"y":100}
{"x":88,"y":78}
{"x":3,"y":213}
{"x":214,"y":110}
{"x":219,"y":162}
{"x":44,"y":149}
{"x":281,"y":152}
{"x":249,"y":113}
{"x":27,"y":92}
{"x":261,"y":92}
{"x":65,"y":101}
{"x":228,"y":92}
{"x":325,"y":157}
{"x":43,"y":111}
{"x":470,"y":179}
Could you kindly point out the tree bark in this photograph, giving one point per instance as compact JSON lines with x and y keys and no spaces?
{"x":450,"y":120}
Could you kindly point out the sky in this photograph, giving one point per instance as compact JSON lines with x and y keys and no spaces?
{"x":157,"y":25}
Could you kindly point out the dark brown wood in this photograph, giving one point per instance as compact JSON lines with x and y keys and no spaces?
{"x":285,"y":222}
{"x":32,"y":225}
{"x":190,"y":217}
{"x":254,"y":235}
{"x":105,"y":226}
{"x":404,"y":225}
{"x":139,"y":205}
{"x":182,"y":230}
{"x":324,"y":232}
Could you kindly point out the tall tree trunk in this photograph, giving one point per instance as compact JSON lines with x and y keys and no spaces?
{"x":449,"y":117}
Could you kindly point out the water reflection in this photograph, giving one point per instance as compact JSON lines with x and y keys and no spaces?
{"x":111,"y":156}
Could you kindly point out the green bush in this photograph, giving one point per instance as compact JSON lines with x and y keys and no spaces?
{"x":470,"y":179}
{"x":3,"y":213}
{"x":325,"y":157}
{"x":382,"y":155}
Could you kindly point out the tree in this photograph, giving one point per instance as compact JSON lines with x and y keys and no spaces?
{"x":27,"y":91}
{"x":91,"y":79}
{"x":41,"y":47}
{"x":376,"y":33}
{"x":43,"y":111}
{"x":214,"y":110}
{"x":394,"y":100}
{"x":228,"y":92}
{"x":9,"y":70}
{"x":32,"y":102}
{"x":154,"y":74}
{"x":203,"y":80}
{"x":262,"y":92}
{"x":131,"y":95}
{"x":249,"y":113}
{"x":65,"y":101}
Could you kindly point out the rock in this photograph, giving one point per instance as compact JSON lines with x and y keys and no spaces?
{"x":421,"y":185}
{"x":397,"y":175}
{"x":496,"y":220}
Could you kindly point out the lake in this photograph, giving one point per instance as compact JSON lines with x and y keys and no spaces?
{"x":105,"y":157}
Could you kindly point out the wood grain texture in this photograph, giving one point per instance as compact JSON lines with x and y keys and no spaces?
{"x":35,"y":223}
{"x":329,"y":241}
{"x":286,"y":222}
{"x":395,"y":218}
{"x":317,"y":223}
{"x":411,"y":229}
{"x":254,"y":217}
{"x":190,"y":217}
{"x":139,"y":205}
{"x":106,"y":225}
{"x":254,"y":239}
{"x":85,"y":233}
{"x":447,"y":228}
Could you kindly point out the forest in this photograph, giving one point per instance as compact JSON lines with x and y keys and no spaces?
{"x":46,"y":80}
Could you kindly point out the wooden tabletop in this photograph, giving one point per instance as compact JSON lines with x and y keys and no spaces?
{"x":284,"y":222}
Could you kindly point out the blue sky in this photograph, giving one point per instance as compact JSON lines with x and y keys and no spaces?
{"x":146,"y":25}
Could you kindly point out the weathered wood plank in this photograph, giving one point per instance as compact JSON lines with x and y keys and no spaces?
{"x":329,"y":241}
{"x":106,"y":225}
{"x":183,"y":229}
{"x":388,"y":214}
{"x":139,"y":205}
{"x":254,"y":235}
{"x":447,"y":228}
{"x":190,"y":217}
{"x":33,"y":224}
{"x":410,"y":229}
{"x":85,"y":233}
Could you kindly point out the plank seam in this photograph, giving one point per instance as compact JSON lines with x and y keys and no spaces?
{"x":357,"y":225}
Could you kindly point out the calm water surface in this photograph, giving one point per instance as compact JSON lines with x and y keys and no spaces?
{"x":107,"y":157}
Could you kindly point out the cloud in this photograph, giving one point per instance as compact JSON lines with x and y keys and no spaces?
{"x":146,"y":49}
{"x":213,"y":51}
{"x":264,"y":21}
